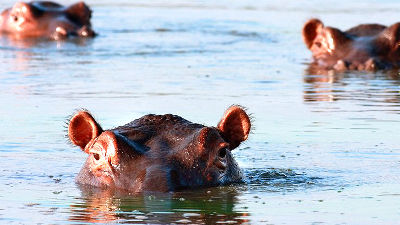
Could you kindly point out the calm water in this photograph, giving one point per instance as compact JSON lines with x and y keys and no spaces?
{"x":324,"y":148}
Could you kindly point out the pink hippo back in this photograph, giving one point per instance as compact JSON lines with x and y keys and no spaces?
{"x":47,"y":19}
{"x":160,"y":152}
{"x":364,"y":47}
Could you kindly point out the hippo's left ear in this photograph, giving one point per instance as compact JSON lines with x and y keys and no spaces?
{"x":310,"y":30}
{"x":27,"y":10}
{"x":235,"y":126}
{"x":319,"y":38}
{"x":83,"y":128}
{"x":79,"y":13}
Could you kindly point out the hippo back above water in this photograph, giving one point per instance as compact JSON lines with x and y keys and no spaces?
{"x":160,"y":152}
{"x":364,"y":47}
{"x":47,"y":19}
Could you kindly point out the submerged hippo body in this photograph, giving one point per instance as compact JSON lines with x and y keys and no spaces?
{"x":160,"y":152}
{"x":364,"y":47}
{"x":46,"y":19}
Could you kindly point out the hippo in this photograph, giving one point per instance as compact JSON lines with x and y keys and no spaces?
{"x":159,"y":153}
{"x":367,"y":47}
{"x":47,"y":19}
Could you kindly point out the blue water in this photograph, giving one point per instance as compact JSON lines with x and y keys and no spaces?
{"x":324,"y":148}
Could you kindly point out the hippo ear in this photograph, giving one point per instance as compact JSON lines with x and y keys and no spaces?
{"x":235,"y":126}
{"x":320,"y":39}
{"x":390,"y":37}
{"x":27,"y":10}
{"x":333,"y":39}
{"x":80,"y":13}
{"x":83,"y":128}
{"x":310,"y":31}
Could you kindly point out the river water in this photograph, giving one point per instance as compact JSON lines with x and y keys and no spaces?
{"x":324,"y":149}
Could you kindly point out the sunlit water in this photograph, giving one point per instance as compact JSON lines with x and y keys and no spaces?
{"x":324,"y":148}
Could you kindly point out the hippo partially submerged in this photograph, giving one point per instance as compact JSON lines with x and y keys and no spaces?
{"x":47,"y":19}
{"x":364,"y":47}
{"x":160,"y":152}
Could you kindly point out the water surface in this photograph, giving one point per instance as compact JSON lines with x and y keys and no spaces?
{"x":324,"y":147}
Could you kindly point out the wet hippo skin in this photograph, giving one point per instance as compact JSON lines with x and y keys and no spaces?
{"x":47,"y":19}
{"x":365,"y":47}
{"x":160,"y":152}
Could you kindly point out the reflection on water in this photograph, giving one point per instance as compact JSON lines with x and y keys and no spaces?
{"x":324,"y":148}
{"x":8,"y":42}
{"x":24,"y":55}
{"x":329,"y":85}
{"x":205,"y":206}
{"x":219,"y":205}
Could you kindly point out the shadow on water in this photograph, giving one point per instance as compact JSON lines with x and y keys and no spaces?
{"x":373,"y":87}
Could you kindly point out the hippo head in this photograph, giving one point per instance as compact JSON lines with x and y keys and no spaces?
{"x":160,"y":152}
{"x":364,"y":47}
{"x":47,"y":19}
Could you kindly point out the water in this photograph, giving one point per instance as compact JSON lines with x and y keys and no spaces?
{"x":324,"y":148}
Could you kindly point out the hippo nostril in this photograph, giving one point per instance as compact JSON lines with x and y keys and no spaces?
{"x":222,"y":153}
{"x":96,"y":156}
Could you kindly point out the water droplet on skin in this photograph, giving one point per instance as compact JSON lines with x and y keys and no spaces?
{"x":61,"y":30}
{"x":141,"y":217}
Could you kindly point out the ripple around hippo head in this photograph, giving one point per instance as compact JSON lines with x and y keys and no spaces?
{"x":278,"y":180}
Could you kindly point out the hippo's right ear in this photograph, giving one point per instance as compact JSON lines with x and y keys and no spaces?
{"x":80,"y":13}
{"x":389,"y":38}
{"x":310,"y":31}
{"x":83,"y":128}
{"x":235,"y":126}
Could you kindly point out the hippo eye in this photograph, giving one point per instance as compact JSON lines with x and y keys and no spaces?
{"x":222,"y":153}
{"x":318,"y":44}
{"x":96,"y":156}
{"x":15,"y":18}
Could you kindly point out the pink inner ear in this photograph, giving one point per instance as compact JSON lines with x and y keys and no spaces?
{"x":235,"y":126}
{"x":82,"y":129}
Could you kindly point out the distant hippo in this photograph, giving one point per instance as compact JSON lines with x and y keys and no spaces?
{"x":160,"y":152}
{"x":47,"y":19}
{"x":364,"y":47}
